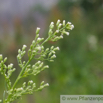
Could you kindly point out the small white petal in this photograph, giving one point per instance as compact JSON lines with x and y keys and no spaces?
{"x":67,"y":33}
{"x":57,"y":31}
{"x":61,"y":36}
{"x":47,"y":84}
{"x":58,"y":48}
{"x":69,"y":23}
{"x":52,"y":23}
{"x":72,"y":26}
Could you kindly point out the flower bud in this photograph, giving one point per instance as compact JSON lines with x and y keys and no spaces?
{"x":71,"y":27}
{"x":19,"y":51}
{"x":57,"y":48}
{"x":40,"y":39}
{"x":51,"y":60}
{"x":10,"y":66}
{"x":5,"y":59}
{"x":54,"y":56}
{"x":37,"y":30}
{"x":47,"y":50}
{"x":42,"y":83}
{"x":61,"y":36}
{"x":63,"y":22}
{"x":34,"y":85}
{"x":24,"y":47}
{"x":52,"y":47}
{"x":47,"y":84}
{"x":45,"y":67}
{"x":50,"y":32}
{"x":33,"y":42}
{"x":52,"y":25}
{"x":24,"y":84}
{"x":1,"y":57}
{"x":64,"y":32}
{"x":67,"y":33}
{"x":42,"y":47}
{"x":38,"y":48}
{"x":69,"y":23}
{"x":57,"y":31}
{"x":59,"y":26}
{"x":58,"y":22}
{"x":30,"y":82}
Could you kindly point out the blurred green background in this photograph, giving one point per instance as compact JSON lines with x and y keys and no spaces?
{"x":78,"y":68}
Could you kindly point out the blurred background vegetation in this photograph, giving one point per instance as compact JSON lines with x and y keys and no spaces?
{"x":78,"y":68}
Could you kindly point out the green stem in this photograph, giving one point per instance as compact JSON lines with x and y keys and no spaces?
{"x":19,"y":76}
{"x":45,"y":41}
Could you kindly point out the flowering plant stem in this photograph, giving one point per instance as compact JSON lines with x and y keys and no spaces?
{"x":11,"y":93}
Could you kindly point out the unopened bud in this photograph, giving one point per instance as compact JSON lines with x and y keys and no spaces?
{"x":58,"y":22}
{"x":37,"y":30}
{"x":63,"y":22}
{"x":1,"y":57}
{"x":24,"y":47}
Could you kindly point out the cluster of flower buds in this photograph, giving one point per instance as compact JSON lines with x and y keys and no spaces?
{"x":62,"y":28}
{"x":42,"y":85}
{"x":6,"y":70}
{"x":38,"y":67}
{"x":35,"y":69}
{"x":29,"y":89}
{"x":38,"y":52}
{"x":35,"y":47}
{"x":25,"y":89}
{"x":20,"y":56}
